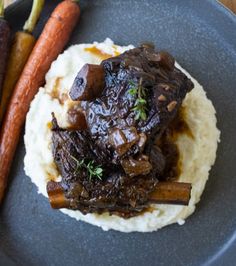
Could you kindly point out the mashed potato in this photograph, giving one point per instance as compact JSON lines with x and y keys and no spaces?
{"x":197,"y":155}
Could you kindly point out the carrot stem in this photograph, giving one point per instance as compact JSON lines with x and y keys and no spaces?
{"x":34,"y":16}
{"x":1,"y":8}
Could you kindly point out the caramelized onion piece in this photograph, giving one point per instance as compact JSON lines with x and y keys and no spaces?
{"x":166,"y":60}
{"x":131,"y":134}
{"x":134,"y":167}
{"x":77,"y":120}
{"x":142,"y":141}
{"x":89,"y":83}
{"x":118,"y":140}
{"x":123,"y":139}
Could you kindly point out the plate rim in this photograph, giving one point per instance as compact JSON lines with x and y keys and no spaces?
{"x":228,"y":14}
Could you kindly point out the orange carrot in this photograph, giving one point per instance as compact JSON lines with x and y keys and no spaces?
{"x":50,"y":44}
{"x":4,"y":44}
{"x":20,"y":51}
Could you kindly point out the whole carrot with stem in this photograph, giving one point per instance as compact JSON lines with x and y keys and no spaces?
{"x":22,"y":46}
{"x":4,"y":43}
{"x":50,"y":44}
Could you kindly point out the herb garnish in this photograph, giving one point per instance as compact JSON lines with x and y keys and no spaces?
{"x":140,"y":106}
{"x":93,"y":171}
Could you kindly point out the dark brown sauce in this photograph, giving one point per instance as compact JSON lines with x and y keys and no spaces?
{"x":179,"y":126}
{"x":51,"y":177}
{"x":55,"y":89}
{"x":170,"y":149}
{"x":55,"y":94}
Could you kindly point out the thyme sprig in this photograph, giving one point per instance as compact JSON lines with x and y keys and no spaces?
{"x":140,"y":105}
{"x":92,"y":170}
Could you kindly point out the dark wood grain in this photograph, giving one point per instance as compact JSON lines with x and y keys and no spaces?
{"x":231,"y":4}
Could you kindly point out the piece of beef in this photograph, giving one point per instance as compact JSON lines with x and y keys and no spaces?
{"x":117,"y":139}
{"x":165,"y":87}
{"x":116,"y":193}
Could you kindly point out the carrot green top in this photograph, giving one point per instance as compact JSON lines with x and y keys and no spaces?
{"x":34,"y":15}
{"x":1,"y":8}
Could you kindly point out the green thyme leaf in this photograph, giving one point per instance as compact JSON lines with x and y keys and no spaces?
{"x":141,"y":101}
{"x":143,"y":116}
{"x":132,"y":91}
{"x":93,"y":171}
{"x":99,"y":170}
{"x":140,"y":105}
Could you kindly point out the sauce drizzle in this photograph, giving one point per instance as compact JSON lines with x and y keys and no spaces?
{"x":99,"y":53}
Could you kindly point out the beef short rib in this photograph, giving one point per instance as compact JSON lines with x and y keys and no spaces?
{"x":126,"y":116}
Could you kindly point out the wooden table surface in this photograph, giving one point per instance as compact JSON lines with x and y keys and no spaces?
{"x":231,"y":4}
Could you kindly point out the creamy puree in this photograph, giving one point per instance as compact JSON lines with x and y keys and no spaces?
{"x":197,"y":154}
